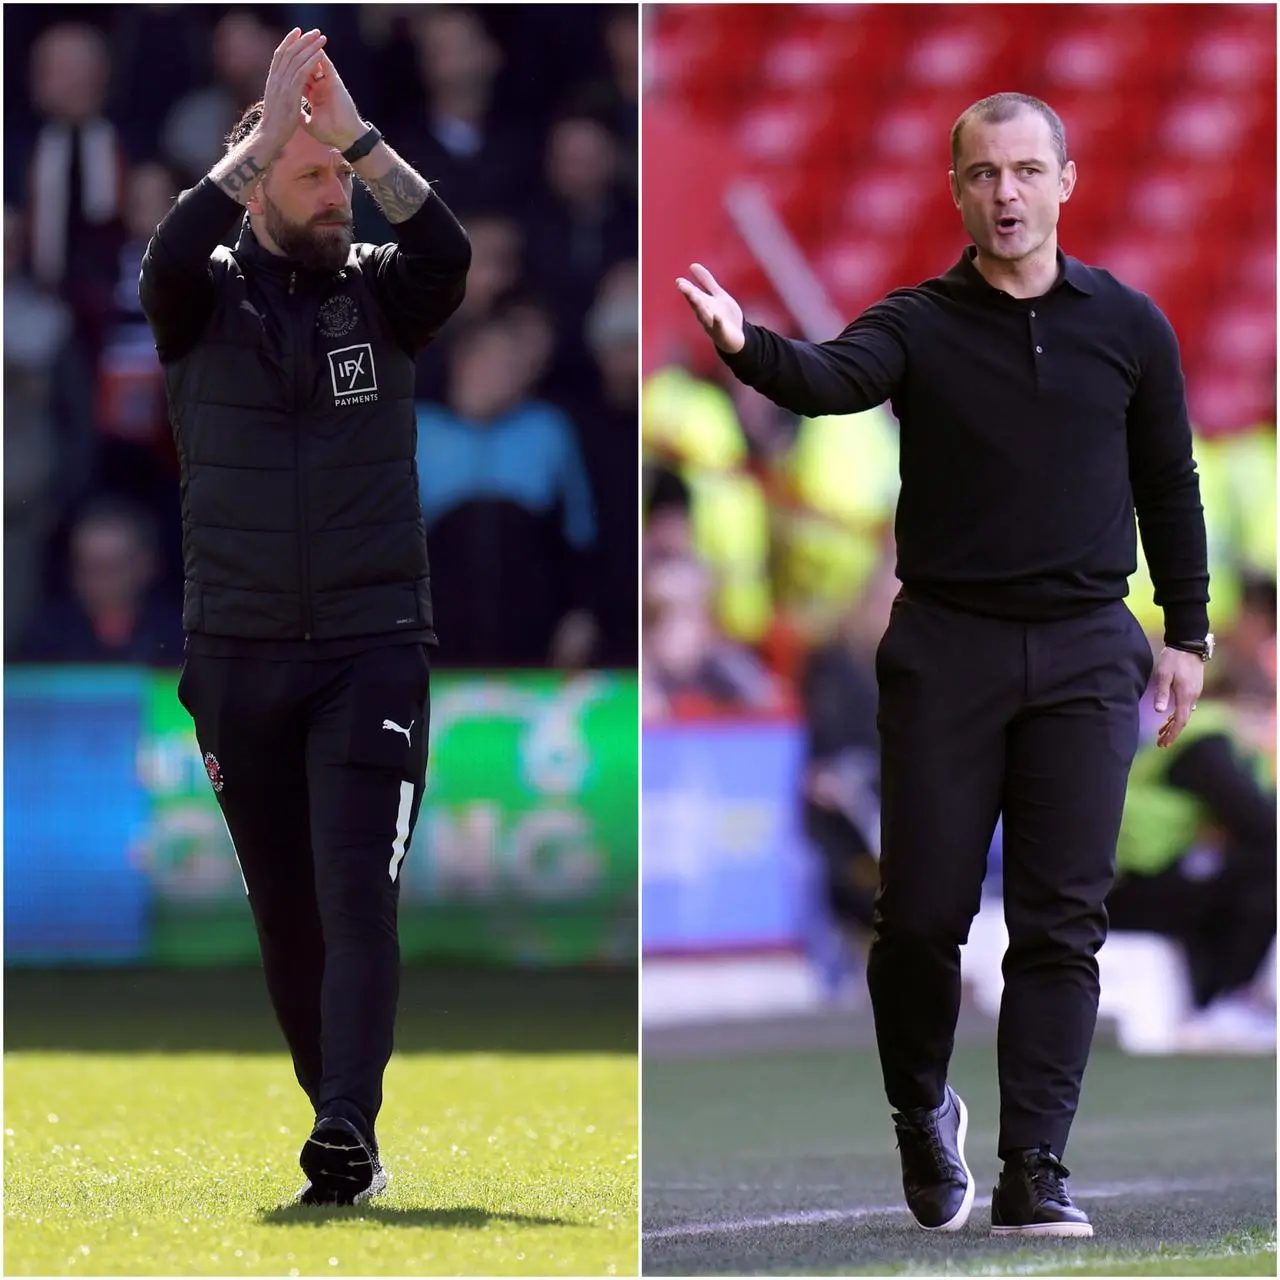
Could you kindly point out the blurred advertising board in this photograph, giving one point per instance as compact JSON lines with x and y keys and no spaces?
{"x":526,"y":850}
{"x":72,"y":805}
{"x":725,"y":867}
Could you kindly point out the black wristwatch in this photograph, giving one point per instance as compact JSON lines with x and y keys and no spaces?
{"x":1204,"y":648}
{"x":362,"y":146}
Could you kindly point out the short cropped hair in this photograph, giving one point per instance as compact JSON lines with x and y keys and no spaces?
{"x":248,"y":122}
{"x":112,"y":509}
{"x":1000,"y":108}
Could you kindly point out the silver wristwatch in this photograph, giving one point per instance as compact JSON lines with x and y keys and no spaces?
{"x":1203,"y":648}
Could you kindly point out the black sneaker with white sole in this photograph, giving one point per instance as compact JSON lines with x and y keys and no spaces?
{"x":310,"y":1196}
{"x":341,"y":1167}
{"x":1031,"y":1198}
{"x":935,"y":1177}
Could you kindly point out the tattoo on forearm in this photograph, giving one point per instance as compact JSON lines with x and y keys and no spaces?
{"x":238,"y":180}
{"x":400,"y":192}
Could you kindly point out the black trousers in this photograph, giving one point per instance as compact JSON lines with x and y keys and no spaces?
{"x":319,"y":768}
{"x":1039,"y":721}
{"x":1225,"y":918}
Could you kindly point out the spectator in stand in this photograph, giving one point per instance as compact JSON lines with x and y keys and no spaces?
{"x":113,"y":612}
{"x":76,"y":174}
{"x":604,"y":84}
{"x":687,"y":667}
{"x":136,"y":455}
{"x":608,"y":433}
{"x":478,"y":158}
{"x":841,"y":780}
{"x":48,"y":428}
{"x":158,"y":52}
{"x":1196,"y":861}
{"x":131,"y":400}
{"x":622,"y":40}
{"x":196,"y":128}
{"x":497,"y":267}
{"x":510,"y":516}
{"x":668,"y":531}
{"x":1248,"y":649}
{"x":583,"y":226}
{"x":497,"y":247}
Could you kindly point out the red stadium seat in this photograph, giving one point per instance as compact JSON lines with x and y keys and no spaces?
{"x":844,"y":111}
{"x":778,"y":128}
{"x":1208,"y":126}
{"x":1098,"y":52}
{"x":803,"y":62}
{"x":1253,"y":274}
{"x":1244,"y":335}
{"x":1220,"y":402}
{"x":914,"y":127}
{"x":1172,"y":197}
{"x":1238,"y":54}
{"x":889,"y":199}
{"x":856,"y":270}
{"x":1094,"y":122}
{"x":956,"y":54}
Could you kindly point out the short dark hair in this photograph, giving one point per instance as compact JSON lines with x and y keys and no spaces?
{"x":1258,"y":593}
{"x":667,"y":490}
{"x":113,"y":509}
{"x":248,"y":122}
{"x":1000,"y":108}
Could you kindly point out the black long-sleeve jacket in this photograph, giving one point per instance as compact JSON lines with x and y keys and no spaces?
{"x":291,"y":400}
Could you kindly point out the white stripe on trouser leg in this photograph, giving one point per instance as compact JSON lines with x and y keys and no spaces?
{"x":234,"y":852}
{"x":400,"y":845}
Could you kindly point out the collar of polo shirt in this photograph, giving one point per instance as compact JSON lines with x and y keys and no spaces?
{"x":1070,"y":271}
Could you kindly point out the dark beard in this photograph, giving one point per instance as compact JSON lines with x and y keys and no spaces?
{"x":312,"y":247}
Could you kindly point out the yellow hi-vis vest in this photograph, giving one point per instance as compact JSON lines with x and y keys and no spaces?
{"x":1162,"y":822}
{"x":1247,"y":460}
{"x":842,"y":477}
{"x":690,"y":421}
{"x":1224,"y":576}
{"x":694,"y":425}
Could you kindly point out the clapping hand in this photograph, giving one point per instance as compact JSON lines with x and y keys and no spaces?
{"x":282,"y":97}
{"x":334,"y":119}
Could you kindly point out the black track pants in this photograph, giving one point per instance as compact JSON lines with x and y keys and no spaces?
{"x":321,"y":767}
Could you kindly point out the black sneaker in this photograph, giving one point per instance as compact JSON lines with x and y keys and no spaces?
{"x":310,"y":1196}
{"x":935,"y":1178}
{"x":1031,"y":1198}
{"x":341,"y":1167}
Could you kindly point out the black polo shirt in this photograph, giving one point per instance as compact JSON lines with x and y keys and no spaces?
{"x":1032,"y":429}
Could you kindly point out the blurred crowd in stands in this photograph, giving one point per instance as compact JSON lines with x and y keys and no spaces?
{"x":768,"y":576}
{"x":768,"y":539}
{"x":525,"y":118}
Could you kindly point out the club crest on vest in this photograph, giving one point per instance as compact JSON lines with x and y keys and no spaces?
{"x":338,"y":316}
{"x":214,"y":770}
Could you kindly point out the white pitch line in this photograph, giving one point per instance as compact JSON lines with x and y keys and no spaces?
{"x":816,"y":1217}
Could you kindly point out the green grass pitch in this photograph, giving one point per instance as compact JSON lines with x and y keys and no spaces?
{"x":784,"y":1162}
{"x":152,"y":1127}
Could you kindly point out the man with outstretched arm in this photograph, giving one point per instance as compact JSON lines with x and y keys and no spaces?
{"x":1041,"y":403}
